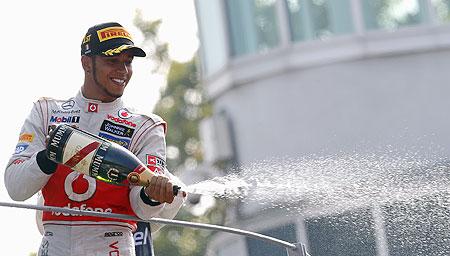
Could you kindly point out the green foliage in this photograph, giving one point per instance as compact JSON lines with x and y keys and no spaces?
{"x":159,"y":50}
{"x":173,"y":240}
{"x":182,"y":106}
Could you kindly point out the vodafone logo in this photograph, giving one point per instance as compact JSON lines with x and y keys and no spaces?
{"x":73,"y":186}
{"x":121,"y":121}
{"x":123,"y":113}
{"x":114,"y":251}
{"x":92,"y":107}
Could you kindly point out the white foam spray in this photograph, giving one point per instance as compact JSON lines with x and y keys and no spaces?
{"x":332,"y":180}
{"x":411,"y":189}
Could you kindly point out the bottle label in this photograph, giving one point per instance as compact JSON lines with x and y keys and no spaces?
{"x":84,"y":153}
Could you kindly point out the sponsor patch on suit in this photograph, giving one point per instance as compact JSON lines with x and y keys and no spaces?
{"x":116,"y":129}
{"x":124,"y":142}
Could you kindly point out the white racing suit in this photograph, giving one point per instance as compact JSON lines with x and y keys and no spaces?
{"x":28,"y":173}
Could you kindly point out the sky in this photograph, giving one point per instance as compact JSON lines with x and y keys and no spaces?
{"x":41,"y":57}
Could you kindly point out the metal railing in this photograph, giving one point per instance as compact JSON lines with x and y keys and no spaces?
{"x":297,"y":249}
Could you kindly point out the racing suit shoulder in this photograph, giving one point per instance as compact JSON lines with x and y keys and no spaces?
{"x":52,"y":105}
{"x":50,"y":100}
{"x":45,"y":98}
{"x":147,"y":116}
{"x":148,"y":120}
{"x":66,"y":103}
{"x":43,"y":103}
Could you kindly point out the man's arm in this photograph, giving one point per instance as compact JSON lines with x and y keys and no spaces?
{"x":28,"y":169}
{"x":151,"y":150}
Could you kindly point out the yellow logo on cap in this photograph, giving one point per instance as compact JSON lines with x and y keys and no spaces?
{"x":112,"y":32}
{"x":117,"y":50}
{"x":87,"y":39}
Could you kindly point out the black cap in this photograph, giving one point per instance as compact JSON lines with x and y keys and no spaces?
{"x":108,"y":39}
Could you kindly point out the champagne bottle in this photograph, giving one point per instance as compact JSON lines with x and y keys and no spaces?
{"x":94,"y":156}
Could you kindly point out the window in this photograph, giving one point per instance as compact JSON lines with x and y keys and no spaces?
{"x":253,"y":26}
{"x":319,"y":19}
{"x":419,"y":226}
{"x":348,"y":234}
{"x":392,"y":14}
{"x":214,"y":48}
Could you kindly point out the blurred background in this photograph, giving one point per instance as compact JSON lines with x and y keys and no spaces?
{"x":271,"y":79}
{"x":296,"y":78}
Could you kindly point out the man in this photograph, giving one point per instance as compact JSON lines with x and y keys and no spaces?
{"x":107,"y":52}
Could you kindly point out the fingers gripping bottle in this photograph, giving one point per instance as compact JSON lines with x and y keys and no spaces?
{"x":94,"y":156}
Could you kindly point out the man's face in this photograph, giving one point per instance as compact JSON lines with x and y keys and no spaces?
{"x":111,"y":75}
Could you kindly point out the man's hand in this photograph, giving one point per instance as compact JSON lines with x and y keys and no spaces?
{"x":160,"y":189}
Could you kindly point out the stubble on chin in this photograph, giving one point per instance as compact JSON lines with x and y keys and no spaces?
{"x":111,"y":93}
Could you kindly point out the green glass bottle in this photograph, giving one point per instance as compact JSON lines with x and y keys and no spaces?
{"x":94,"y":156}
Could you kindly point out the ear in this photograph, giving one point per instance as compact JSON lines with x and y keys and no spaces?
{"x":86,"y":62}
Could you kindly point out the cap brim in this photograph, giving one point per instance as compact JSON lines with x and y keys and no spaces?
{"x":136,"y":51}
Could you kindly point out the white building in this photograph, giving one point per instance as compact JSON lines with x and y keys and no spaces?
{"x":299,"y":77}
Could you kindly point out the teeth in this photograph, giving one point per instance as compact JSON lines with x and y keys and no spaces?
{"x":120,"y":81}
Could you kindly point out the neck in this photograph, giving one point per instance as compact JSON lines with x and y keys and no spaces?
{"x":88,"y":94}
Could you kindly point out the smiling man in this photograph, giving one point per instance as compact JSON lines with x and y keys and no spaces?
{"x":107,"y":53}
